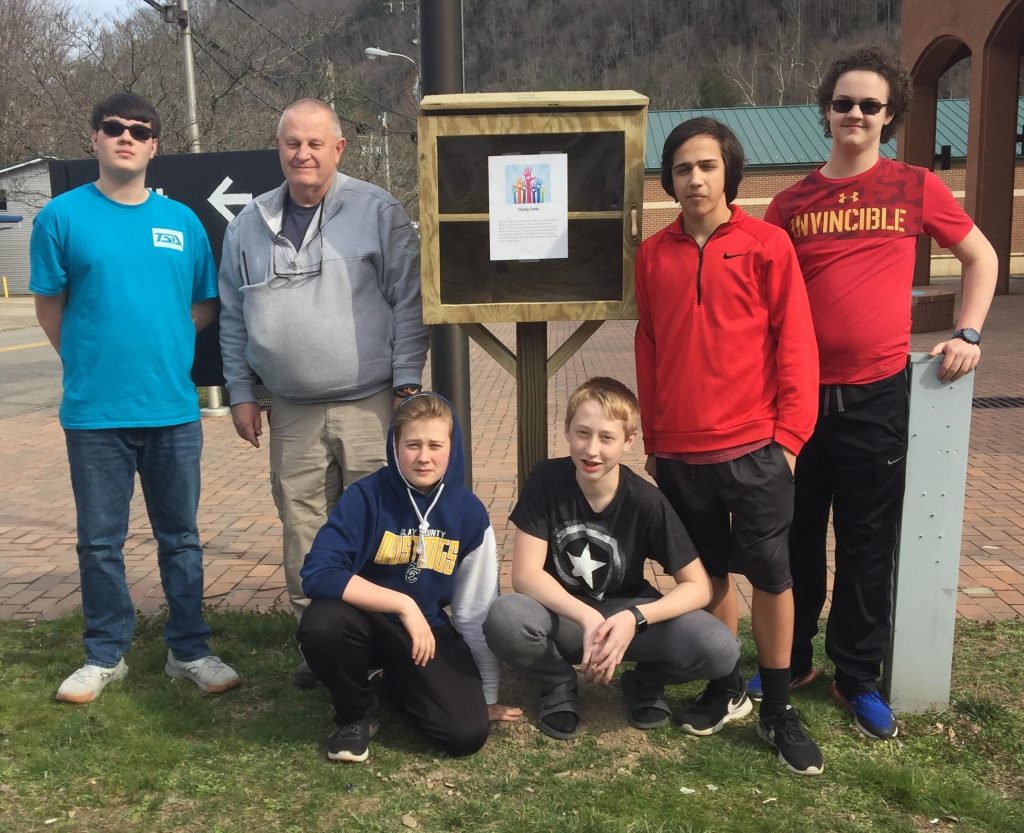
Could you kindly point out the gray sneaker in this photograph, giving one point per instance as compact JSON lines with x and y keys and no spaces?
{"x":87,"y":682}
{"x":210,"y":673}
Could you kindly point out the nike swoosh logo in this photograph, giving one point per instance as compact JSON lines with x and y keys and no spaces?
{"x":894,"y":462}
{"x":728,"y":256}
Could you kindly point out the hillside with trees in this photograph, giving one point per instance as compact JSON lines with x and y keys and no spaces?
{"x":254,"y":56}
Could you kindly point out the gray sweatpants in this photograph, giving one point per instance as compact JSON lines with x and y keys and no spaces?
{"x":545,"y":646}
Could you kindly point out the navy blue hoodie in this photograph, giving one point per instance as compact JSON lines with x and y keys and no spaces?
{"x":437,"y":547}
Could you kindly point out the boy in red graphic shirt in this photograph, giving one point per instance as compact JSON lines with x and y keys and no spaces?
{"x":854,"y":223}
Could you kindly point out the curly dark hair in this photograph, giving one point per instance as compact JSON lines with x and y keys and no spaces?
{"x":732,"y":152}
{"x":868,"y":59}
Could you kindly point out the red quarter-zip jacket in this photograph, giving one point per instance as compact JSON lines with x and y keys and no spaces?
{"x":725,"y":348}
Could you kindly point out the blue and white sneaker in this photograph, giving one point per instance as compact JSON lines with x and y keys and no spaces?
{"x":871,"y":713}
{"x":755,"y":693}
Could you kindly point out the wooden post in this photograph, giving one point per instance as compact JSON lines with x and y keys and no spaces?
{"x":531,"y":395}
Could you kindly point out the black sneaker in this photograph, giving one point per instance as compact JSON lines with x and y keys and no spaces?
{"x":797,"y":752}
{"x":351,"y":743}
{"x":712,"y":710}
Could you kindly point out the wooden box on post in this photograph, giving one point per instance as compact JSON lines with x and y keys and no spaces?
{"x":601,"y":136}
{"x":602,"y":133}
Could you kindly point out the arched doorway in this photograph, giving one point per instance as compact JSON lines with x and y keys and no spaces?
{"x":935,"y":35}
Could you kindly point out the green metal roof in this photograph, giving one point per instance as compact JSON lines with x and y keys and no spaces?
{"x":782,"y":136}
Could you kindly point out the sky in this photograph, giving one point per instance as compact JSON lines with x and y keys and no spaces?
{"x":100,"y":8}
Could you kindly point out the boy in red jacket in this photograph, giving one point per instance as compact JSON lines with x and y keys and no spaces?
{"x":727,"y":374}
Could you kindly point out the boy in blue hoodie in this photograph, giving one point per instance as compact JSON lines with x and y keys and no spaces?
{"x":399,"y":546}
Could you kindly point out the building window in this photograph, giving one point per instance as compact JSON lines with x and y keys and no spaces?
{"x":3,"y":199}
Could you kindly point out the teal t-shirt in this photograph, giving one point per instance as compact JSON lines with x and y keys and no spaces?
{"x":132,"y":273}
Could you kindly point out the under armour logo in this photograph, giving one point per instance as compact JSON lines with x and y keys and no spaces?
{"x":853,"y":196}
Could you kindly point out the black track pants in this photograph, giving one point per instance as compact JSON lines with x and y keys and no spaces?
{"x":444,"y":699}
{"x":855,"y":465}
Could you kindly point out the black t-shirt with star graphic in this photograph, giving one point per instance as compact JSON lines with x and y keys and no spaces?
{"x":601,"y":554}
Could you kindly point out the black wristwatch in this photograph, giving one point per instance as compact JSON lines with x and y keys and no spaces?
{"x":406,"y":391}
{"x":968,"y":335}
{"x":641,"y":620}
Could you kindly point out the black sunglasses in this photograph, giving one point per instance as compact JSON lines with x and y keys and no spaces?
{"x":139,"y":132}
{"x":869,"y":107}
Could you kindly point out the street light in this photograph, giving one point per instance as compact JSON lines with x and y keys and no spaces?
{"x":373,"y":52}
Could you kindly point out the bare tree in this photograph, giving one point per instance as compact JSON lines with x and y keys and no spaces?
{"x":740,"y":65}
{"x":253,"y":57}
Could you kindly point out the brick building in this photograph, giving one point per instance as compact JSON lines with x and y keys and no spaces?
{"x":784,"y":144}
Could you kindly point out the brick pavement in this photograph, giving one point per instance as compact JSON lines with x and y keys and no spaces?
{"x":241,"y":533}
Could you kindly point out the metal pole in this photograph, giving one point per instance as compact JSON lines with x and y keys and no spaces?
{"x":177,"y":13}
{"x":387,"y":150}
{"x":214,"y":401}
{"x":441,"y":71}
{"x":190,"y":78}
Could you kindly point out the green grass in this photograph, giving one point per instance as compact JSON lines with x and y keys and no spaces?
{"x":157,"y":755}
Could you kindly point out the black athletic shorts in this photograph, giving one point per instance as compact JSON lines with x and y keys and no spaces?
{"x":738,"y":513}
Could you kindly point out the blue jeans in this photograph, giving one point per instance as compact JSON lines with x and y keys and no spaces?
{"x":103,"y":465}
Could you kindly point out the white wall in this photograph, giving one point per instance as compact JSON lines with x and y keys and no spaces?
{"x":28,"y":190}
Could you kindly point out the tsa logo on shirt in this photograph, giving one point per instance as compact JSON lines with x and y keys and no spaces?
{"x":165,"y":238}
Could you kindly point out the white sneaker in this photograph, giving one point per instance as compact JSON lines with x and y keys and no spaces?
{"x":209,"y":672}
{"x":87,"y":682}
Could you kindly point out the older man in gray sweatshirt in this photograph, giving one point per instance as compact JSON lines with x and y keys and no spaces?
{"x":320,"y":298}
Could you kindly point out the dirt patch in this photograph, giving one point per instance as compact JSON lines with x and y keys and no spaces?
{"x":603,"y":712}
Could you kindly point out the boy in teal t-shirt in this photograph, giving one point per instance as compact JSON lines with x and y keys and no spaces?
{"x":137,"y":269}
{"x":123,"y":279}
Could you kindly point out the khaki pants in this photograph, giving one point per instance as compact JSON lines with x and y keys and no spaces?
{"x":316,"y":451}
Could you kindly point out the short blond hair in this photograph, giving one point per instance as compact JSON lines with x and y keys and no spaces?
{"x":616,"y":400}
{"x":421,"y":406}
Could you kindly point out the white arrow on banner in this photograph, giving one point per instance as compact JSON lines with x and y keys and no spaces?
{"x":220,"y":199}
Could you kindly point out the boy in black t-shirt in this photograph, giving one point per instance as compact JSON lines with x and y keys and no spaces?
{"x":584,"y":526}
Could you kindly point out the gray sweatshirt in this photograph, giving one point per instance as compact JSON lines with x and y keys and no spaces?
{"x":338,"y":319}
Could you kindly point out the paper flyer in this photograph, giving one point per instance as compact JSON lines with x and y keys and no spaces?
{"x":529,"y":206}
